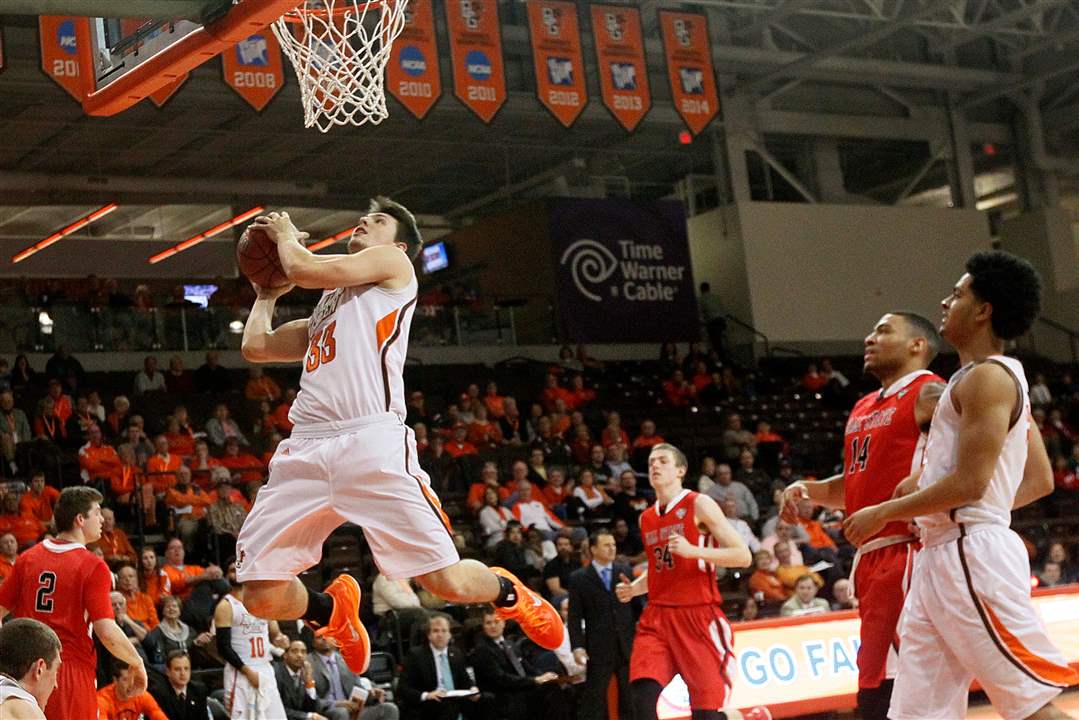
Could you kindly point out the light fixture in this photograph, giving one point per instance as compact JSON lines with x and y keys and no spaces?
{"x":236,"y":327}
{"x":205,"y":234}
{"x":60,"y":234}
{"x":331,"y":239}
{"x":44,"y":322}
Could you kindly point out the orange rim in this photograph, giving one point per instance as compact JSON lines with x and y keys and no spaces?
{"x":298,"y":14}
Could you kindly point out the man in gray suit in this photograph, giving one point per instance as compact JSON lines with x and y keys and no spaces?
{"x":334,"y":683}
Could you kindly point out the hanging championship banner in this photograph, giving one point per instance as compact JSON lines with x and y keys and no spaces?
{"x":623,"y":76}
{"x":253,"y":68}
{"x":164,"y":93}
{"x":412,"y":75}
{"x":59,"y":57}
{"x":479,"y":78}
{"x":689,"y":67}
{"x":556,"y":54}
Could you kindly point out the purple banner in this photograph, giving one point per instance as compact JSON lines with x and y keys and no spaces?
{"x":622,"y":271}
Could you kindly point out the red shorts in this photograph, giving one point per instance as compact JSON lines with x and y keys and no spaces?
{"x":880,"y":582}
{"x":75,"y":695}
{"x":694,"y":641}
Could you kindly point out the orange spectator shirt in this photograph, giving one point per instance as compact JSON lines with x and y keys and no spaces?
{"x":199,"y":501}
{"x":178,"y":577}
{"x":40,"y":506}
{"x":235,"y":496}
{"x":496,"y":405}
{"x":115,"y":544}
{"x":280,"y":417}
{"x":112,"y":707}
{"x":484,"y":433}
{"x":476,"y":492}
{"x":156,"y":585}
{"x":768,"y":584}
{"x":62,"y":408}
{"x":647,"y":442}
{"x":818,"y":538}
{"x":161,"y":471}
{"x":182,"y":443}
{"x":578,"y":398}
{"x":608,"y":438}
{"x":552,"y":495}
{"x":201,"y":476}
{"x":5,"y":569}
{"x":455,"y":450}
{"x":123,"y":479}
{"x":249,"y":466}
{"x":262,"y":388}
{"x":25,"y":528}
{"x":140,"y":608}
{"x":98,"y":460}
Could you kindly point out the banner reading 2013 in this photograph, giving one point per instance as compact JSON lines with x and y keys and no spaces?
{"x":623,"y":76}
{"x":689,"y":67}
{"x":556,"y":55}
{"x":479,"y":77}
{"x":412,"y":75}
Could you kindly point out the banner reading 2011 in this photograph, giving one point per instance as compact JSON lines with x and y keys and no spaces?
{"x":556,"y":54}
{"x":479,"y":77}
{"x":412,"y":75}
{"x":689,"y":67}
{"x":623,"y":76}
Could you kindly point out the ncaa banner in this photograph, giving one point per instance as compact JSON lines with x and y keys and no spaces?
{"x":689,"y":67}
{"x":623,"y":75}
{"x":253,"y":68}
{"x":164,"y":93}
{"x":412,"y":75}
{"x":622,"y":271}
{"x":556,"y":54}
{"x":59,"y":56}
{"x":479,"y":79}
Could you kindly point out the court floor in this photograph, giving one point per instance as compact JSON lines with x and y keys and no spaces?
{"x":1068,"y":702}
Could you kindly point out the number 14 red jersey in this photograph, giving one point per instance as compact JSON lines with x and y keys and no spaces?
{"x":674,"y":580}
{"x":883,"y":445}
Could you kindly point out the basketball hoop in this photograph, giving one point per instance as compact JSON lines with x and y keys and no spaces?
{"x":339,"y":49}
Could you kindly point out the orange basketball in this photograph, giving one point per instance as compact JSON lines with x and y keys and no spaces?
{"x":256,"y":256}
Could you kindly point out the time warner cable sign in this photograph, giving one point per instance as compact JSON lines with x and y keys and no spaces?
{"x":622,"y":271}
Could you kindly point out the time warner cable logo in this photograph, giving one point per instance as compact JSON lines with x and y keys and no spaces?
{"x":589,"y":263}
{"x":646,"y":274}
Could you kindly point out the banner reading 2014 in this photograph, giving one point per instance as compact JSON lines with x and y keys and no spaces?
{"x":556,"y":54}
{"x":479,"y":77}
{"x":689,"y":67}
{"x":623,"y":76}
{"x":412,"y":75}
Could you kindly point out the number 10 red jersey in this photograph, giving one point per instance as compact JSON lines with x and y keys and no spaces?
{"x":674,"y":580}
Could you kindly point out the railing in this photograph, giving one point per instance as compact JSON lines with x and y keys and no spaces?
{"x":754,"y":334}
{"x":483,"y":321}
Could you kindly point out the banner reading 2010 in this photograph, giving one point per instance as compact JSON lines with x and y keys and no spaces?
{"x":412,"y":75}
{"x":479,"y":76}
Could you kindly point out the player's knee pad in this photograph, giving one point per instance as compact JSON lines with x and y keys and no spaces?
{"x":646,"y":694}
{"x":873,"y":702}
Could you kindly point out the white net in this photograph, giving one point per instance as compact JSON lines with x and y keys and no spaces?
{"x":339,"y":49}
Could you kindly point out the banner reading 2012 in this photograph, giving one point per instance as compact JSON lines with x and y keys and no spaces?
{"x":412,"y":75}
{"x":689,"y":67}
{"x":623,"y":76}
{"x":556,"y":54}
{"x":479,"y":77}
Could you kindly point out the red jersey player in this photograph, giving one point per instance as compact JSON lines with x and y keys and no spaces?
{"x":62,"y":584}
{"x":683,"y":630}
{"x":883,"y":445}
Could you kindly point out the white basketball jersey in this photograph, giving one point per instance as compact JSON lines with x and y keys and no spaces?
{"x":941,"y":455}
{"x":250,"y":635}
{"x":10,"y":689}
{"x":357,"y":342}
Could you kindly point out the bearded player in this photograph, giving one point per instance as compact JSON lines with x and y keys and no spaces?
{"x":683,"y":629}
{"x":884,"y":441}
{"x":350,"y":456}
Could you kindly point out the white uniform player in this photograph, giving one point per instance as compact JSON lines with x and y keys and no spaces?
{"x":251,"y":642}
{"x":350,"y":457}
{"x":968,"y":613}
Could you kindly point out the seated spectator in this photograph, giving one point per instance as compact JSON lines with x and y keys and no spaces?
{"x":613,"y":432}
{"x":552,"y":391}
{"x":514,"y":430}
{"x":553,"y":447}
{"x":805,"y":600}
{"x":578,"y":396}
{"x":789,"y":571}
{"x":701,"y":378}
{"x":114,"y":542}
{"x":459,"y":446}
{"x":119,"y":701}
{"x":1058,"y":553}
{"x":221,"y":427}
{"x":261,"y":386}
{"x":116,"y":421}
{"x":648,"y":438}
{"x":631,"y":499}
{"x":48,"y":425}
{"x":488,"y":480}
{"x":149,"y":379}
{"x":247,"y":465}
{"x":1051,"y":575}
{"x":181,"y":439}
{"x":592,"y":501}
{"x":177,"y":380}
{"x":628,"y":544}
{"x":423,"y":683}
{"x":736,"y":439}
{"x":493,"y":517}
{"x":560,"y":419}
{"x":557,"y":491}
{"x":140,"y":606}
{"x":132,"y":628}
{"x":225,"y":516}
{"x":537,"y":470}
{"x":296,"y":684}
{"x":750,"y":610}
{"x":616,"y":460}
{"x":9,"y":550}
{"x":40,"y":499}
{"x":483,"y":433}
{"x":63,"y":407}
{"x":96,"y":459}
{"x":708,"y":474}
{"x":754,"y":478}
{"x":152,"y":579}
{"x":161,"y":467}
{"x":765,"y":434}
{"x":1039,"y":392}
{"x":27,"y":529}
{"x":764,"y":582}
{"x":517,"y":687}
{"x":211,"y":378}
{"x":509,"y":553}
{"x":281,"y":410}
{"x":814,"y":381}
{"x":580,"y":447}
{"x":678,"y":391}
{"x":538,"y":550}
{"x":715,"y":393}
{"x":725,"y":486}
{"x":836,"y":379}
{"x":730,"y":510}
{"x":14,"y":429}
{"x":126,"y":479}
{"x":557,"y":570}
{"x":350,"y":696}
{"x":820,"y":546}
{"x":495,"y":403}
{"x":843,"y":595}
{"x":188,"y":504}
{"x":183,"y":578}
{"x":202,"y":465}
{"x":179,"y":698}
{"x":140,"y":442}
{"x":439,"y":465}
{"x":532,"y":513}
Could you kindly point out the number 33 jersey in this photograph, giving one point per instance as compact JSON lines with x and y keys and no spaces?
{"x":883,"y":445}
{"x":357,"y":342}
{"x":672,"y":579}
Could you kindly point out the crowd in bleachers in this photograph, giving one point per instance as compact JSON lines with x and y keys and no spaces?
{"x":528,"y":458}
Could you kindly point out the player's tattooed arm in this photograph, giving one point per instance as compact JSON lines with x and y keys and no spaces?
{"x":1037,"y":479}
{"x":927,"y":404}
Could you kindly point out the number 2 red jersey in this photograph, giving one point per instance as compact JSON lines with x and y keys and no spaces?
{"x":674,"y":580}
{"x":65,"y":586}
{"x":883,"y":445}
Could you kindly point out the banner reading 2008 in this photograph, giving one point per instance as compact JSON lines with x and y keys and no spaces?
{"x":623,"y":76}
{"x":412,"y":75}
{"x":479,"y":78}
{"x":556,"y":54}
{"x":689,"y":67}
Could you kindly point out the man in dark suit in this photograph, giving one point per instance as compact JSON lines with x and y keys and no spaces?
{"x":295,"y":684}
{"x":430,"y":671}
{"x":179,"y":698}
{"x":334,"y":683}
{"x":601,"y":628}
{"x":516,"y":687}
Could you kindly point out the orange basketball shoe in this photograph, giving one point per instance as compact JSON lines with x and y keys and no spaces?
{"x":537,"y":618}
{"x":345,"y":629}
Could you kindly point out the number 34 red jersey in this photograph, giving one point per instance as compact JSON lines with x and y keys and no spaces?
{"x":674,"y":580}
{"x":883,"y":445}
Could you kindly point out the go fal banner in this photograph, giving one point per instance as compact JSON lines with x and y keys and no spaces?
{"x":622,"y":271}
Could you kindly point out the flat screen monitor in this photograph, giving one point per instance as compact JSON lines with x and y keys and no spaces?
{"x":435,"y":257}
{"x":199,"y":293}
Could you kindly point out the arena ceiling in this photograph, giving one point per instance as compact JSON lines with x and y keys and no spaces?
{"x":859,"y":70}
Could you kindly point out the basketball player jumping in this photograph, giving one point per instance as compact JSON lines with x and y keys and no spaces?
{"x":883,"y":446}
{"x":683,"y":629}
{"x":351,"y":456}
{"x":968,"y":614}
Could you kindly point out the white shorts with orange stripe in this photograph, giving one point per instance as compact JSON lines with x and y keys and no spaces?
{"x":244,"y":702}
{"x":968,"y":616}
{"x":363,"y":471}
